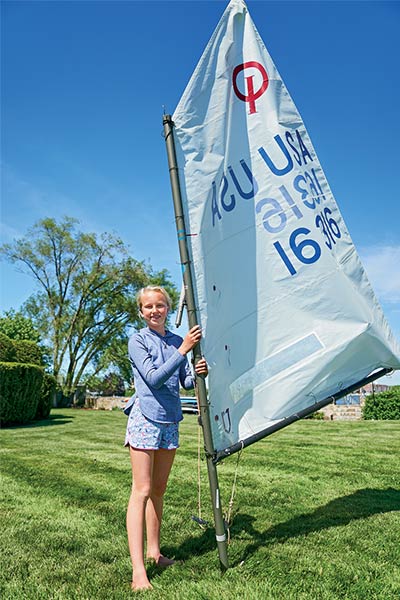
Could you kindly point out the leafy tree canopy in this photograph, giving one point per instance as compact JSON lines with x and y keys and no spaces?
{"x":18,"y":327}
{"x":111,"y":384}
{"x":85,"y":303}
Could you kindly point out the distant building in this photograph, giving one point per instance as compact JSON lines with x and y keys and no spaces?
{"x":373,"y":388}
{"x":349,"y":407}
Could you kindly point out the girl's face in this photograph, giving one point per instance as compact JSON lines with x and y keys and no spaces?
{"x":154,"y":310}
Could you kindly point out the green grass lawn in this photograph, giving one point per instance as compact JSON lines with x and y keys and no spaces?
{"x":316,"y":513}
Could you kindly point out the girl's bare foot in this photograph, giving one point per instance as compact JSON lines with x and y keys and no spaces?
{"x":141,"y":583}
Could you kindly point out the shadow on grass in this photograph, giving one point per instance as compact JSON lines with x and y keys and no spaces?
{"x":193,"y":546}
{"x":51,"y":420}
{"x":338,"y":512}
{"x":341,"y":511}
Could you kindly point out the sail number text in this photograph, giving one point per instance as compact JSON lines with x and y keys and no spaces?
{"x":305,"y":249}
{"x":291,"y":160}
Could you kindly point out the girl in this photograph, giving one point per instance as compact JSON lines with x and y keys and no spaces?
{"x":159,"y":365}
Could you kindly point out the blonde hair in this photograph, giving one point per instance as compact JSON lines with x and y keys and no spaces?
{"x":153,"y":288}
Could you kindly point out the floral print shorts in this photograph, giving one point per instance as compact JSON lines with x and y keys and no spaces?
{"x":144,"y":434}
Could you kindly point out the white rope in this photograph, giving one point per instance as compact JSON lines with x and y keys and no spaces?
{"x":230,"y":505}
{"x":199,"y":474}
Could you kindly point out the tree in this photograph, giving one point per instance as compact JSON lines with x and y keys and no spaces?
{"x":86,"y":298}
{"x":18,"y":327}
{"x":111,"y":384}
{"x":116,"y":357}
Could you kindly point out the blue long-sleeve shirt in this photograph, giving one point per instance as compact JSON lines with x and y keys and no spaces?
{"x":158,"y":369}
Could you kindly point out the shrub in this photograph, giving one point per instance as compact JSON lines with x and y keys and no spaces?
{"x":383,"y":406}
{"x":20,"y":389}
{"x":46,"y":398}
{"x":318,"y":415}
{"x":79,"y":396}
{"x":27,"y":352}
{"x":7,"y":350}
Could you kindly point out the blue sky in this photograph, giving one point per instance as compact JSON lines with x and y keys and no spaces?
{"x":83,"y":89}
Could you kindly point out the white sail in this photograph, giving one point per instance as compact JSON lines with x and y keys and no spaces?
{"x":288,"y":315}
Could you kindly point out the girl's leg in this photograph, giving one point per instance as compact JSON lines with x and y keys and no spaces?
{"x":162,"y":464}
{"x":142,"y":467}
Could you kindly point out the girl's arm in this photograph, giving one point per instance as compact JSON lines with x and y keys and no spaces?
{"x":152,"y":375}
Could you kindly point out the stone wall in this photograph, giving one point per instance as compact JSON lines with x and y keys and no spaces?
{"x":342,"y":412}
{"x":106,"y":402}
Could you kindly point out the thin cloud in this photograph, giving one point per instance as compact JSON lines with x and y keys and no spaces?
{"x":8,"y":234}
{"x":33,"y":200}
{"x":382,"y":264}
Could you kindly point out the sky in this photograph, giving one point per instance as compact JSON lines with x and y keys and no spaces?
{"x":85,"y":83}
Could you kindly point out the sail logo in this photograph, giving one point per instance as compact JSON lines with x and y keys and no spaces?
{"x":251,"y":95}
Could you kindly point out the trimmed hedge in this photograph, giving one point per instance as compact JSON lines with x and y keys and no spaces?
{"x":7,"y":350}
{"x":383,"y":406}
{"x":20,"y":390}
{"x":46,"y":398}
{"x":26,"y":391}
{"x":27,"y":352}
